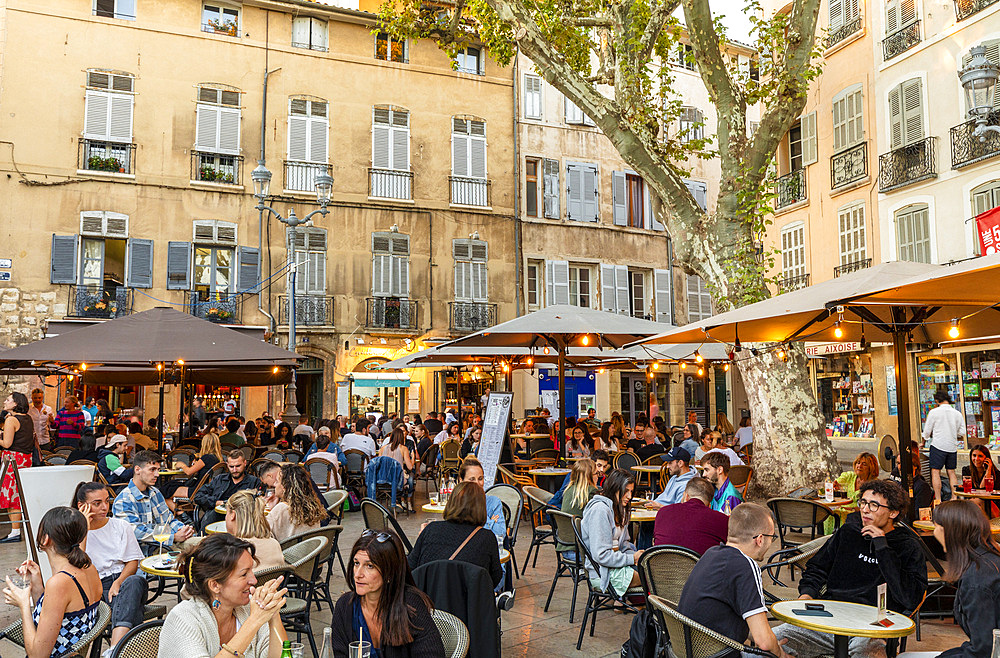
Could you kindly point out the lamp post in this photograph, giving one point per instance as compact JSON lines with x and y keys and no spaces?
{"x":979,"y":80}
{"x":324,"y":188}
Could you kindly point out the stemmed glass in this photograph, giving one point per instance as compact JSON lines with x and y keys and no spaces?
{"x":161,"y":533}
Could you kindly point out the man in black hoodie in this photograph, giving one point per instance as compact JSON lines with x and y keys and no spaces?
{"x":865,"y":552}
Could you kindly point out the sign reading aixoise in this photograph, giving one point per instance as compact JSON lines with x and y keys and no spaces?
{"x":823,"y":349}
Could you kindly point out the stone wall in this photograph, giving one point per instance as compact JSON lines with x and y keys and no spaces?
{"x":23,"y":315}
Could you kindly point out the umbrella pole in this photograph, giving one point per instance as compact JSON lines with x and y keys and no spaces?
{"x":159,"y":420}
{"x":903,"y":413}
{"x":562,"y":403}
{"x":458,"y":397}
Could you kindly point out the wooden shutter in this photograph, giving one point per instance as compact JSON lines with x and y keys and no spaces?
{"x":892,"y":23}
{"x":549,"y":294}
{"x":460,"y":148}
{"x":895,"y":118}
{"x":836,"y":14}
{"x":317,"y":273}
{"x":381,"y":275}
{"x":647,"y":199}
{"x":588,"y":203}
{"x":551,"y":190}
{"x":479,"y":288}
{"x":298,"y":132}
{"x":477,"y":149}
{"x":810,"y":153}
{"x":248,"y":277}
{"x":401,"y":141}
{"x":400,"y":276}
{"x":301,"y":31}
{"x":560,"y":282}
{"x":140,"y":263}
{"x":381,"y":138}
{"x":63,"y":258}
{"x":662,"y":295}
{"x":913,"y":110}
{"x":848,"y":118}
{"x":621,"y":289}
{"x":229,"y":130}
{"x":96,"y":115}
{"x":207,"y":131}
{"x":178,"y":266}
{"x":532,"y":97}
{"x":460,"y":251}
{"x":618,"y":198}
{"x":851,"y":222}
{"x":115,"y":225}
{"x":574,"y":192}
{"x":985,"y":199}
{"x":120,"y":120}
{"x":573,"y":113}
{"x":608,"y":301}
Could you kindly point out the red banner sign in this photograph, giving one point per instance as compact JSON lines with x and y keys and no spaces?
{"x":988,"y":230}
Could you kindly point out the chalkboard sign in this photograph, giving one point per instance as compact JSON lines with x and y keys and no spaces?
{"x":496,"y":415}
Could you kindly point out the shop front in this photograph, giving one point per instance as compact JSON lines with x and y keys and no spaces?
{"x":581,"y":391}
{"x":468,"y":384}
{"x":378,"y":393}
{"x":844,"y":388}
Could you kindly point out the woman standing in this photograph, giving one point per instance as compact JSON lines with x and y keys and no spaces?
{"x":605,"y":532}
{"x":298,"y":509}
{"x":226,"y":615}
{"x":18,"y":442}
{"x":397,"y":449}
{"x":245,"y":519}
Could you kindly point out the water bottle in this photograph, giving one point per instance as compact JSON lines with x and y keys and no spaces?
{"x":286,"y":649}
{"x":996,"y":644}
{"x":327,"y":650}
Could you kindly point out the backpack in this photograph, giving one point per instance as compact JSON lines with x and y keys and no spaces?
{"x":645,"y":639}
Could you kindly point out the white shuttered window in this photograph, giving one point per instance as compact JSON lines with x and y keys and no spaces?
{"x":556,"y":282}
{"x":848,"y":118}
{"x":793,"y":250}
{"x":810,"y":148}
{"x":218,"y":129}
{"x":390,"y":139}
{"x":699,"y":299}
{"x":470,"y":270}
{"x":581,"y":192}
{"x":308,"y":32}
{"x":308,"y":130}
{"x":468,"y":148}
{"x":108,"y":109}
{"x":851,"y":222}
{"x":913,"y":234}
{"x":899,"y":14}
{"x":390,"y":265}
{"x":310,"y":255}
{"x":906,"y":113}
{"x":532,"y":96}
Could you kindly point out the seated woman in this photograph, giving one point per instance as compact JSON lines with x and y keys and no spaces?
{"x":66,"y":607}
{"x":460,"y":536}
{"x":87,"y":450}
{"x":225,"y":614}
{"x":245,"y":519}
{"x":582,"y":487}
{"x":706,"y":443}
{"x":980,"y":467}
{"x":396,"y":448}
{"x":579,"y":444}
{"x":689,"y":440}
{"x":298,"y":508}
{"x":470,"y":446}
{"x":604,"y":530}
{"x":206,"y":458}
{"x":865,"y":468}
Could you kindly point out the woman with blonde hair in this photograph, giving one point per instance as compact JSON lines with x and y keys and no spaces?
{"x":298,"y":508}
{"x":208,"y":455}
{"x":865,"y":468}
{"x":723,"y":425}
{"x":245,"y":519}
{"x":582,"y":487}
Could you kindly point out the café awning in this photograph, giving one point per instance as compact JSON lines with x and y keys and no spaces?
{"x":380,"y":379}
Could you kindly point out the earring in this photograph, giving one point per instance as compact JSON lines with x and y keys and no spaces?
{"x":215,"y":604}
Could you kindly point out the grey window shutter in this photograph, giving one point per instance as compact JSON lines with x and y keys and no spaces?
{"x":140,"y":263}
{"x":663,"y":291}
{"x":621,"y":289}
{"x":560,"y":282}
{"x":895,"y":118}
{"x":588,"y":202}
{"x":574,"y":192}
{"x":620,"y":210}
{"x":64,"y":250}
{"x":548,"y":284}
{"x":655,"y":223}
{"x":608,"y":288}
{"x":550,"y":181}
{"x":699,"y":191}
{"x":249,"y":272}
{"x":381,"y":264}
{"x":400,"y":276}
{"x":913,"y":111}
{"x":298,"y":137}
{"x":178,"y":266}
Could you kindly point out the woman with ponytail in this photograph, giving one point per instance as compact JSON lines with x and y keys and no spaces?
{"x":67,"y":604}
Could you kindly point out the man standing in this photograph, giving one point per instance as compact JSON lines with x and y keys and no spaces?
{"x":942,"y":428}
{"x":41,"y":415}
{"x":304,"y":429}
{"x":198,"y":416}
{"x":691,"y":523}
{"x":217,"y":491}
{"x":69,"y":424}
{"x":142,"y":504}
{"x":359,"y":439}
{"x":726,"y":497}
{"x":724,"y":591}
{"x":650,"y":446}
{"x":865,"y":552}
{"x":681,"y":473}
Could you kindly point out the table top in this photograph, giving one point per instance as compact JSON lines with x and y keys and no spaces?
{"x":642,"y":514}
{"x":836,"y":502}
{"x":151,"y":565}
{"x":923,"y":525}
{"x":851,"y":619}
{"x":646,"y":468}
{"x":979,"y":493}
{"x":167,"y":472}
{"x":433,"y":509}
{"x":215,"y":528}
{"x":530,"y":436}
{"x":504,"y":555}
{"x":549,"y":471}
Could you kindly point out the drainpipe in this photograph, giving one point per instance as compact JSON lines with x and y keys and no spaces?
{"x":519,"y":289}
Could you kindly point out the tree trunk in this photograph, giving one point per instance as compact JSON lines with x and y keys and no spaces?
{"x":790,"y":446}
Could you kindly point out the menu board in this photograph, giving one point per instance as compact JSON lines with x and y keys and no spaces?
{"x":496,"y":415}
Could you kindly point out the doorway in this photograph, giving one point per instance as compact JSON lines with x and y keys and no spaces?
{"x":309,"y":389}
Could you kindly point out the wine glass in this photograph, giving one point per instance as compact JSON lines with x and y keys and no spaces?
{"x":161,"y":533}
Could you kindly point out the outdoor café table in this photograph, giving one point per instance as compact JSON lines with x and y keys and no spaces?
{"x":168,"y":473}
{"x":551,"y":478}
{"x":642,"y":515}
{"x":504,"y":556}
{"x":848,"y":620}
{"x":646,"y":468}
{"x":163,"y":567}
{"x":215,"y":528}
{"x":927,"y":527}
{"x":434,"y":509}
{"x":982,"y":496}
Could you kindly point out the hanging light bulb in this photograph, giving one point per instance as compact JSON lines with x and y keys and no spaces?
{"x":159,"y":367}
{"x":838,"y":332}
{"x":683,"y":365}
{"x":83,"y":366}
{"x":180,"y":362}
{"x":781,"y":354}
{"x":506,"y":368}
{"x":697,"y":356}
{"x":656,"y":365}
{"x":953,"y":331}
{"x":531,"y":360}
{"x":701,"y":371}
{"x":545,"y":350}
{"x":585,"y":340}
{"x":726,"y":367}
{"x":600,"y":371}
{"x":275,"y":370}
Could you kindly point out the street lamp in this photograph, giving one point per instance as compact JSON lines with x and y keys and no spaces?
{"x":261,"y":187}
{"x":979,"y":79}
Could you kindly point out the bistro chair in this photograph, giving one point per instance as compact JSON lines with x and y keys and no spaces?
{"x":569,"y":558}
{"x":541,"y":531}
{"x":739,"y":477}
{"x":82,"y":462}
{"x":356,"y":461}
{"x":15,"y":632}
{"x":795,"y":557}
{"x":798,"y":515}
{"x":257,"y":465}
{"x":321,"y":471}
{"x":293,"y":456}
{"x":378,"y":518}
{"x":334,"y":500}
{"x":140,"y":642}
{"x":430,"y":472}
{"x":454,"y":634}
{"x":187,"y":504}
{"x":274,"y":455}
{"x":626,"y":460}
{"x":937,"y":586}
{"x":665,"y":569}
{"x":689,"y":639}
{"x":180,"y":455}
{"x":297,"y":550}
{"x":508,"y":476}
{"x":450,"y":460}
{"x":664,"y":477}
{"x":545,"y":454}
{"x":512,"y":498}
{"x":66,"y":451}
{"x":295,"y":614}
{"x":57,"y":459}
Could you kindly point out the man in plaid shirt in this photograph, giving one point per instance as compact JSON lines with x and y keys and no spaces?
{"x":142,"y":504}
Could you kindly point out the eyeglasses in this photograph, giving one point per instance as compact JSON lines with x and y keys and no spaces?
{"x":772,"y":537}
{"x":380,"y":537}
{"x":871,"y":505}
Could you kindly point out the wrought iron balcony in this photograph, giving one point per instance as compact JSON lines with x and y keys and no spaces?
{"x":790,"y":283}
{"x":901,"y":40}
{"x":470,"y":191}
{"x":217,"y":168}
{"x":471,"y":316}
{"x":834,"y":37}
{"x":853,"y":266}
{"x":100,"y":302}
{"x":966,"y":147}
{"x":391,"y":313}
{"x":301,"y":176}
{"x":310,"y":310}
{"x":849,"y":166}
{"x":906,"y":165}
{"x":390,"y":184}
{"x":112,"y":157}
{"x":966,"y":8}
{"x":220,"y":307}
{"x":790,"y":188}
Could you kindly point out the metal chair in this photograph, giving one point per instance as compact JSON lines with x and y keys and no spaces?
{"x":82,"y":462}
{"x":545,"y":454}
{"x":378,"y":518}
{"x":936,"y":584}
{"x":739,"y":477}
{"x":626,"y":460}
{"x":798,"y":514}
{"x":795,"y":557}
{"x":356,"y":461}
{"x":322,"y":472}
{"x":140,"y":642}
{"x":450,"y":459}
{"x":508,"y":476}
{"x":274,"y":455}
{"x":303,"y":564}
{"x":293,"y":456}
{"x":297,"y":551}
{"x":335,"y":508}
{"x":257,"y":465}
{"x":15,"y":632}
{"x":665,"y":569}
{"x":186,"y":504}
{"x":569,"y":558}
{"x":511,"y":496}
{"x":180,"y":455}
{"x":430,"y":474}
{"x":57,"y":459}
{"x":454,"y":634}
{"x":689,"y":639}
{"x":541,"y":531}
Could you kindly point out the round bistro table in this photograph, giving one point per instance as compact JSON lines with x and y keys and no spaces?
{"x":848,"y":620}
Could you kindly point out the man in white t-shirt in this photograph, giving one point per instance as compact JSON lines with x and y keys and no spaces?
{"x":942,"y":428}
{"x":359,"y":439}
{"x":41,"y":415}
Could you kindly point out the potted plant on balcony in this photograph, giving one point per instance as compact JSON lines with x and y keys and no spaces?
{"x":99,"y":309}
{"x":218,"y":315}
{"x":98,"y":163}
{"x":211,"y":174}
{"x":222,"y":27}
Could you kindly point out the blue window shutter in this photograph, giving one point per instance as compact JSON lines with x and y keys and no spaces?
{"x":64,"y":249}
{"x":140,"y":263}
{"x":249,"y":274}
{"x":178,"y":266}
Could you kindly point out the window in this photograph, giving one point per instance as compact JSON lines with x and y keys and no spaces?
{"x":220,"y":19}
{"x":556,"y":282}
{"x":310,"y":257}
{"x":308,"y":139}
{"x":390,"y":139}
{"x":699,"y":299}
{"x":684,"y":57}
{"x":795,"y":148}
{"x":793,"y":250}
{"x":691,"y":124}
{"x":579,"y":286}
{"x":108,"y":259}
{"x":698,"y":190}
{"x":985,"y":197}
{"x":124,"y":9}
{"x":848,"y":118}
{"x":550,"y":188}
{"x":630,"y":201}
{"x":468,"y":141}
{"x":843,"y":13}
{"x":851,"y":220}
{"x":218,"y":120}
{"x":663,"y":295}
{"x":390,"y":265}
{"x":531,"y":187}
{"x":615,"y":289}
{"x":574,"y":115}
{"x":390,"y":49}
{"x":308,"y":32}
{"x":913,"y":235}
{"x":532,"y":96}
{"x":470,"y":270}
{"x":107,"y":122}
{"x":810,"y":153}
{"x":533,"y":277}
{"x":470,"y":60}
{"x":581,"y":192}
{"x":637,"y":293}
{"x":899,"y":14}
{"x":906,"y":113}
{"x":214,"y":251}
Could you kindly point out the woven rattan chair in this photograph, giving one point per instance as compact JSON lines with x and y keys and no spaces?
{"x":332,"y":535}
{"x":335,"y":507}
{"x":665,"y":569}
{"x":739,"y":477}
{"x":322,"y":472}
{"x":56,"y":459}
{"x":15,"y":632}
{"x":295,"y":614}
{"x":795,"y":557}
{"x":569,"y":562}
{"x":274,"y":455}
{"x":798,"y":515}
{"x":689,"y":639}
{"x":510,"y":477}
{"x":180,"y":455}
{"x":430,"y":472}
{"x":187,"y":504}
{"x":513,"y":498}
{"x":293,"y":456}
{"x":541,"y":531}
{"x":626,"y":460}
{"x":454,"y":634}
{"x":378,"y":518}
{"x":450,"y":459}
{"x":141,"y":641}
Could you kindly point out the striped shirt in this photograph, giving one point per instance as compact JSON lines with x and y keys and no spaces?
{"x":144,"y":510}
{"x":69,"y":424}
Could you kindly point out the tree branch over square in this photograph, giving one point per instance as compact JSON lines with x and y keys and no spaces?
{"x":612,"y":58}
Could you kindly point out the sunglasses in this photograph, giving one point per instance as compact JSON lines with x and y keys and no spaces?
{"x":379,"y":536}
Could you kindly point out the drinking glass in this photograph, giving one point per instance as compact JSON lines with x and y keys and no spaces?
{"x":967,"y":484}
{"x":297,"y":650}
{"x":360,"y":649}
{"x":161,"y":533}
{"x":18,"y":579}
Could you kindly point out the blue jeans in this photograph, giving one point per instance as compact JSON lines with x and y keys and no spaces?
{"x":127,"y":606}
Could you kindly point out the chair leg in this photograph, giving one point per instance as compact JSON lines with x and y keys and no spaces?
{"x":527,"y":557}
{"x":552,"y":589}
{"x":513,"y":561}
{"x":583,"y":625}
{"x":309,"y":634}
{"x":593,"y":617}
{"x":572,"y":605}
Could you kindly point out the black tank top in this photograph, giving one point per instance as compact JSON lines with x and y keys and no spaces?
{"x":24,"y":437}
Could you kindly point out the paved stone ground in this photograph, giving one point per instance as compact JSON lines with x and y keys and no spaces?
{"x":528,"y":630}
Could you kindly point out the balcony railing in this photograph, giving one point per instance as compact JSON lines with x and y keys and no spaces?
{"x":834,"y":37}
{"x":906,"y":165}
{"x":853,"y":266}
{"x":470,"y":191}
{"x":391,"y":313}
{"x":99,"y":302}
{"x":967,"y":148}
{"x":790,"y":188}
{"x":310,"y":310}
{"x":472,"y":316}
{"x":966,"y":8}
{"x":229,"y":28}
{"x":301,"y":176}
{"x":390,"y":184}
{"x":221,"y":307}
{"x":790,"y":283}
{"x":849,"y":166}
{"x":216,"y":168}
{"x":113,"y":157}
{"x":901,"y":40}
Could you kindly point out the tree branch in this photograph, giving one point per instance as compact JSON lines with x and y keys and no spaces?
{"x":711,"y":64}
{"x":587,"y":21}
{"x":657,"y":19}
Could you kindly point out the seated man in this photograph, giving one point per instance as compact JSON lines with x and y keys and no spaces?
{"x":139,"y":441}
{"x":218,"y":490}
{"x":866,"y":551}
{"x":231,"y":438}
{"x":323,"y":448}
{"x":142,"y":504}
{"x":724,"y":591}
{"x":635,"y":441}
{"x":110,"y":458}
{"x":726,"y":497}
{"x":359,"y":439}
{"x":692,"y":523}
{"x":677,"y":461}
{"x":650,"y":445}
